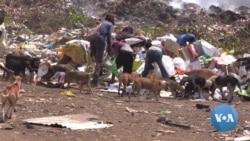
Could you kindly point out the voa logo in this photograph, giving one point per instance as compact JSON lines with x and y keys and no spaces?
{"x":224,"y":118}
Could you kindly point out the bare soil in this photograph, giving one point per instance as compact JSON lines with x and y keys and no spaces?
{"x":142,"y":126}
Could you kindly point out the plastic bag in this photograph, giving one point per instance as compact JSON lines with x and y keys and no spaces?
{"x":179,"y":63}
{"x":168,"y":65}
{"x":114,"y":68}
{"x":107,"y":62}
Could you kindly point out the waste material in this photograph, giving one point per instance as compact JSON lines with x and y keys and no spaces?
{"x":166,"y":121}
{"x":68,"y":94}
{"x":74,"y":122}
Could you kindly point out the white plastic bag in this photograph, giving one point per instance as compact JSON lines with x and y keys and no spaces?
{"x":107,"y":62}
{"x":168,"y":64}
{"x":179,"y":63}
{"x":132,"y":41}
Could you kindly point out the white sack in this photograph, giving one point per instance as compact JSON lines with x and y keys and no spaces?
{"x":179,"y":63}
{"x":132,"y":41}
{"x":168,"y":65}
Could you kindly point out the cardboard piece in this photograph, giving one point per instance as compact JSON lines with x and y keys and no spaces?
{"x":171,"y":46}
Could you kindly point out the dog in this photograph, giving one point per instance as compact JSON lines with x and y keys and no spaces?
{"x":151,"y":84}
{"x":172,"y":86}
{"x":195,"y":83}
{"x":205,"y":73}
{"x":228,"y":81}
{"x":125,"y":79}
{"x":79,"y":77}
{"x":11,"y":95}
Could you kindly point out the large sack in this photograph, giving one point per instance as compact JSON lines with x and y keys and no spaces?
{"x":179,"y":63}
{"x":204,"y":48}
{"x":170,"y":42}
{"x":168,"y":65}
{"x":133,"y":40}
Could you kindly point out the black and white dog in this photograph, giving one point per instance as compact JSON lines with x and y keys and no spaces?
{"x":228,"y":81}
{"x":194,"y":83}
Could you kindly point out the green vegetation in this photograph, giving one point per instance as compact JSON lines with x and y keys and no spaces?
{"x":154,"y":31}
{"x":76,"y":16}
{"x":7,"y":19}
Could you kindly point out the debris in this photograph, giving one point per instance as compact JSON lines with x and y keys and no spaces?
{"x":74,"y":122}
{"x":166,"y":112}
{"x":166,"y":94}
{"x":246,"y":132}
{"x":6,"y":126}
{"x":135,"y":111}
{"x":68,"y":94}
{"x":166,"y":121}
{"x":201,"y":106}
{"x":29,"y":126}
{"x":243,"y":138}
{"x":165,"y":131}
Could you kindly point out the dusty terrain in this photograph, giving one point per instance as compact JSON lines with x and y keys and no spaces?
{"x":141,"y":126}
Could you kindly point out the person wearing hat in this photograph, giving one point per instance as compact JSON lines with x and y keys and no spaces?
{"x":3,"y":35}
{"x":98,"y":44}
{"x":154,"y":54}
{"x":183,"y":39}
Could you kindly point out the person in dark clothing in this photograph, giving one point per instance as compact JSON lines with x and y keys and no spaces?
{"x":123,"y":52}
{"x":127,"y":32}
{"x":98,"y":43}
{"x":154,"y":54}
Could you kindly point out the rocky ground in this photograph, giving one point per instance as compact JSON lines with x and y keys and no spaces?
{"x":136,"y":123}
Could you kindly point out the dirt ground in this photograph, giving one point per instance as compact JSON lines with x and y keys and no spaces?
{"x":109,"y":107}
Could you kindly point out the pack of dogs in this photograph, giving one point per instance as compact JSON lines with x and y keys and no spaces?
{"x":195,"y":81}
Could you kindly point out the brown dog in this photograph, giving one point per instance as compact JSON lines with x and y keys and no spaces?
{"x":11,"y":95}
{"x":152,"y":84}
{"x":205,"y":73}
{"x":78,"y":77}
{"x":125,"y":79}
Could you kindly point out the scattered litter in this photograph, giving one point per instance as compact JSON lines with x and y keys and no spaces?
{"x":198,"y":100}
{"x":165,"y":131}
{"x":166,"y":121}
{"x":135,"y":111}
{"x":109,"y":90}
{"x":6,"y":126}
{"x":246,"y":132}
{"x":74,"y":122}
{"x":22,"y":91}
{"x":166,"y":94}
{"x":166,"y":112}
{"x":243,"y":138}
{"x":179,"y":106}
{"x":68,"y":94}
{"x":202,"y":106}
